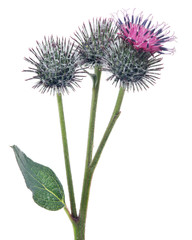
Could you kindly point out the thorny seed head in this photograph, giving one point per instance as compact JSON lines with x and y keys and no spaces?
{"x":55,"y":65}
{"x":93,"y":40}
{"x":130,"y":68}
{"x":142,"y":34}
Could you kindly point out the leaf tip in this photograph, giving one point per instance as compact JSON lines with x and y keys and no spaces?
{"x":13,"y":147}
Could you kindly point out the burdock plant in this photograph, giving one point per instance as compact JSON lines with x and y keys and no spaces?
{"x":130,"y":49}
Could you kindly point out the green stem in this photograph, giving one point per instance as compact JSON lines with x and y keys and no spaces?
{"x":69,"y":215}
{"x":95,"y":90}
{"x":90,"y":166}
{"x":87,"y":176}
{"x":80,"y":221}
{"x":66,"y":155}
{"x":73,"y":221}
{"x":114,"y":117}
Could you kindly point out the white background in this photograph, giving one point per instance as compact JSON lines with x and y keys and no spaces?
{"x":142,"y":188}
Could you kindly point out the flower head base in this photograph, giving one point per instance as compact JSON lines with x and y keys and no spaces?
{"x":140,"y":33}
{"x":130,"y":68}
{"x":94,"y":40}
{"x":56,"y":65}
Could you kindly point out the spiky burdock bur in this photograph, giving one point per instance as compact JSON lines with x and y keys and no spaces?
{"x":130,"y":68}
{"x":55,"y":66}
{"x":94,"y":40}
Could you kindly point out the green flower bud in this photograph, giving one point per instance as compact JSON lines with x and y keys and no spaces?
{"x":131,"y":68}
{"x":55,"y":67}
{"x":94,"y":40}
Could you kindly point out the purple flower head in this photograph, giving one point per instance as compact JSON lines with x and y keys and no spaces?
{"x":143,"y":35}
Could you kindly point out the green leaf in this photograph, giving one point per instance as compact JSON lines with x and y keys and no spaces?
{"x":46,"y":188}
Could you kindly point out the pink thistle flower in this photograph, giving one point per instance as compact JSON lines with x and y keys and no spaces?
{"x":140,"y":33}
